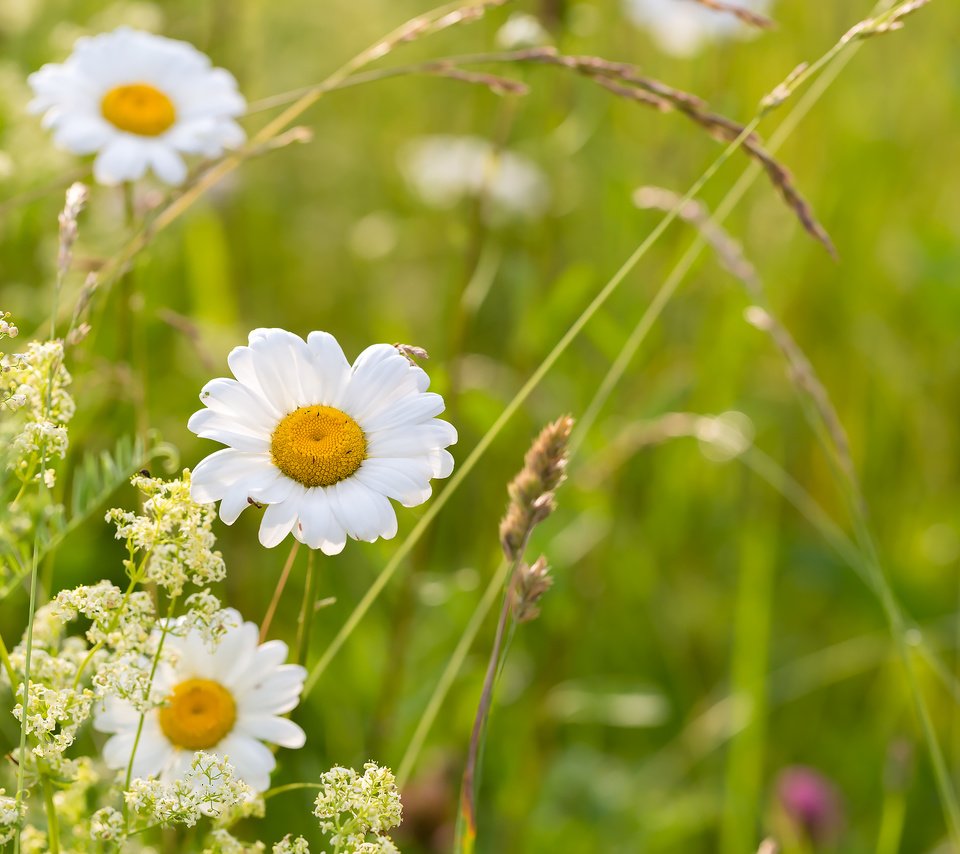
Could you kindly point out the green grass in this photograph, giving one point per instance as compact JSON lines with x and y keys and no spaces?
{"x":677,"y":578}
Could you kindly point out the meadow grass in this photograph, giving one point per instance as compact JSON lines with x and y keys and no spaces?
{"x":680,"y":581}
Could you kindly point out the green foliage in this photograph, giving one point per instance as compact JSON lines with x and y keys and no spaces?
{"x":682,"y":582}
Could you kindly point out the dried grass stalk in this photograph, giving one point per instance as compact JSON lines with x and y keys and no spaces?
{"x":748,"y":17}
{"x":730,"y":254}
{"x":626,"y":81}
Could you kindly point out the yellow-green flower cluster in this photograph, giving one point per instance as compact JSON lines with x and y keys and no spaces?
{"x":10,"y":814}
{"x":353,"y":807}
{"x":208,"y":789}
{"x":174,"y":533}
{"x":36,"y":382}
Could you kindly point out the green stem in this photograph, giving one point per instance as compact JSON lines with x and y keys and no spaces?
{"x":278,"y":591}
{"x":22,"y":752}
{"x":53,"y":821}
{"x":511,"y":408}
{"x":307,"y":609}
{"x":164,"y":631}
{"x":290,"y":787}
{"x":891,"y":823}
{"x":450,"y":672}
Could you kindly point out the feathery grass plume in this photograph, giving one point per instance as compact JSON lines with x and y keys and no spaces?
{"x":531,"y":501}
{"x":532,"y":490}
{"x":747,"y":16}
{"x":77,"y":195}
{"x":801,"y":372}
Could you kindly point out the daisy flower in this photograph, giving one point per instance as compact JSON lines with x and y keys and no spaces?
{"x":139,"y":101}
{"x":226,"y":701}
{"x":682,"y":27}
{"x":443,"y":170}
{"x":323,"y":444}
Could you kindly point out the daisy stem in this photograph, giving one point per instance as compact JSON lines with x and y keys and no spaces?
{"x":307,"y":609}
{"x":278,"y":591}
{"x":53,"y":821}
{"x":22,"y":752}
{"x":290,"y":787}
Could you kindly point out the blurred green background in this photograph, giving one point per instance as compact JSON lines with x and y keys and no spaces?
{"x":701,"y":636}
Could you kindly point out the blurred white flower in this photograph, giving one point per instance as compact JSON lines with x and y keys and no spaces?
{"x":324,"y":444}
{"x":522,"y":30}
{"x":443,"y":170}
{"x":140,"y":101}
{"x":683,"y":27}
{"x":226,"y":701}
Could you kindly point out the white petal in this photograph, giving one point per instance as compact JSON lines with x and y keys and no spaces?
{"x":214,"y":474}
{"x":232,"y":398}
{"x":319,"y":527}
{"x":274,"y":730}
{"x":331,"y":365}
{"x":404,"y":480}
{"x":123,"y":159}
{"x":276,"y":488}
{"x":233,"y":503}
{"x":116,"y":750}
{"x":411,"y":441}
{"x":167,"y":165}
{"x":380,"y":376}
{"x":208,"y":424}
{"x":115,"y":715}
{"x":235,"y":653}
{"x":284,"y":366}
{"x":252,"y":761}
{"x":412,"y":409}
{"x":364,"y":514}
{"x":278,"y":521}
{"x":82,"y":134}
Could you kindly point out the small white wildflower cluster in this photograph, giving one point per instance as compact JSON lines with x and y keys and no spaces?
{"x":37,"y":383}
{"x":57,"y":706}
{"x":107,"y":825}
{"x":10,"y":815}
{"x":121,"y":635}
{"x":209,"y":788}
{"x":353,"y":807}
{"x":7,"y":328}
{"x":174,"y":533}
{"x":8,"y":398}
{"x":221,"y":841}
{"x":289,"y":845}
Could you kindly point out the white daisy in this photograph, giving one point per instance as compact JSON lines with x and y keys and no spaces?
{"x":324,"y":444}
{"x":683,"y":27}
{"x":443,"y":170}
{"x":139,"y":101}
{"x":225,"y":701}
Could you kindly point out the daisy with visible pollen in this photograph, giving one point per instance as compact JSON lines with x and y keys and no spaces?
{"x":226,"y":701}
{"x":323,"y":444}
{"x":139,"y":101}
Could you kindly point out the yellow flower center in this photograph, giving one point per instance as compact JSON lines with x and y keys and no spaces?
{"x":138,"y":108}
{"x":318,"y":445}
{"x":198,"y":714}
